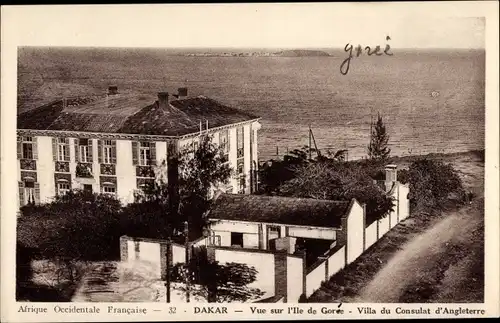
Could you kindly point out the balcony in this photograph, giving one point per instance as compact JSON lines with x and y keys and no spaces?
{"x":28,"y":164}
{"x":84,"y":170}
{"x":62,"y":167}
{"x":144,"y":171}
{"x":108,"y":169}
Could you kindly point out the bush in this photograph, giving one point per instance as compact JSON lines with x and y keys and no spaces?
{"x":218,"y":282}
{"x":434,"y":185}
{"x":76,"y":226}
{"x":24,"y":273}
{"x":343,"y":182}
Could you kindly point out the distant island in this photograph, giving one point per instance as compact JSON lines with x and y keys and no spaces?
{"x":283,"y":53}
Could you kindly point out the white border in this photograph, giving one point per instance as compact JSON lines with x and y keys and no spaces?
{"x":118,"y":26}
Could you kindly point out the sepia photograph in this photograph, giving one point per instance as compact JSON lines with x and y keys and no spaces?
{"x":315,"y":166}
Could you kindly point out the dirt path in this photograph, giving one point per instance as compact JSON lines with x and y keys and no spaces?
{"x":423,"y":270}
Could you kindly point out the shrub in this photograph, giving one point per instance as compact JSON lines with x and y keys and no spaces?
{"x":340,"y":181}
{"x":24,"y":272}
{"x":434,"y":184}
{"x":76,"y":226}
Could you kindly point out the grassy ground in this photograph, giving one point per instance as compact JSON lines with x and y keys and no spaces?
{"x":443,"y":252}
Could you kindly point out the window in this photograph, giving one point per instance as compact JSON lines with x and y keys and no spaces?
{"x":87,"y":188}
{"x":28,"y":148}
{"x":241,"y":176}
{"x":62,"y":149}
{"x":84,"y":154}
{"x":29,"y":192}
{"x":145,"y":154}
{"x":236,"y":239}
{"x":224,"y":141}
{"x":84,"y":150}
{"x":240,"y":142}
{"x":63,"y":188}
{"x":108,"y":152}
{"x":242,"y":185}
{"x":274,"y":232}
{"x":108,"y":189}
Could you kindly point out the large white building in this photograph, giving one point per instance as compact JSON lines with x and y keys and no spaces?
{"x":110,"y":143}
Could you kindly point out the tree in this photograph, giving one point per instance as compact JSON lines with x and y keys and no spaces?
{"x":339,"y":181}
{"x":217,"y":282}
{"x":201,"y":170}
{"x":378,"y":148}
{"x":433,"y":185}
{"x":75,"y":226}
{"x":274,"y":173}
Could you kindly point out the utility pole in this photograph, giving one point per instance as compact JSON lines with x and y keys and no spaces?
{"x":169,"y":258}
{"x":310,"y":152}
{"x":371,"y":133}
{"x":186,"y":246}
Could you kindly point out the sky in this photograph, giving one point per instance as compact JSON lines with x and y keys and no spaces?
{"x":320,"y":25}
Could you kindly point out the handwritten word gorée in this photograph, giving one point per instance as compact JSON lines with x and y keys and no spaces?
{"x":344,"y":67}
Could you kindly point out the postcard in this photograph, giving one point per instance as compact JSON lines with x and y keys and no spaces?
{"x":171,"y":162}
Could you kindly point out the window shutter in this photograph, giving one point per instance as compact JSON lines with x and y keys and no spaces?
{"x":77,"y":153}
{"x":67,"y":156}
{"x":113,"y":152}
{"x":35,"y":148}
{"x":37,"y":193}
{"x":99,"y":151}
{"x":91,"y":151}
{"x":153,"y":153}
{"x":21,"y":194}
{"x":135,"y":152}
{"x":54,"y":149}
{"x":19,"y":147}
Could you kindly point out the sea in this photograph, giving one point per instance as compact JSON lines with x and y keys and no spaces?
{"x":431,"y":101}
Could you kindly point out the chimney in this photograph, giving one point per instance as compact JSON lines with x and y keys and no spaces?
{"x":183,"y":92}
{"x":391,"y":174}
{"x":112,"y":90}
{"x":163,"y":99}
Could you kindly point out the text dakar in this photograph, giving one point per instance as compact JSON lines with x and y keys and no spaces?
{"x":210,"y":310}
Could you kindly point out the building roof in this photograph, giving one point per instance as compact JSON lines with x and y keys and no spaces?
{"x":131,"y":114}
{"x":279,"y":210}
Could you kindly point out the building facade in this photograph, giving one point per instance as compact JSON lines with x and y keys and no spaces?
{"x":112,"y":143}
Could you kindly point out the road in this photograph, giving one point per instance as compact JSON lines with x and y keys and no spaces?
{"x":437,"y":266}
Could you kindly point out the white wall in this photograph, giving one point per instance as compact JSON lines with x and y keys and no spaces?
{"x":314,"y":279}
{"x":371,"y":235}
{"x":294,"y":278}
{"x":355,"y":231}
{"x":404,"y":203}
{"x":45,"y":169}
{"x":313,"y":233}
{"x":150,"y":252}
{"x":224,"y":228}
{"x":336,"y":262}
{"x":247,"y":157}
{"x":232,"y":158}
{"x":243,"y":227}
{"x":72,"y":164}
{"x":161,"y":152}
{"x":125,"y":171}
{"x":250,"y":240}
{"x":383,"y":226}
{"x":262,"y":261}
{"x":131,"y":250}
{"x":178,"y":254}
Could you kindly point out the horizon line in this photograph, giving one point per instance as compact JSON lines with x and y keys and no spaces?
{"x":239,"y":47}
